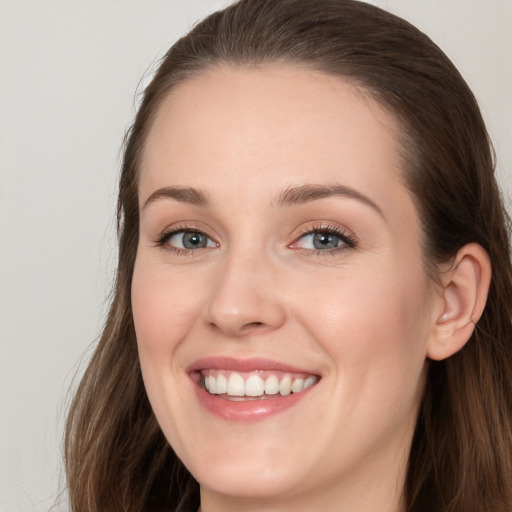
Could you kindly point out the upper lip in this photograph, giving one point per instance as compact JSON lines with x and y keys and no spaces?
{"x":244,"y":365}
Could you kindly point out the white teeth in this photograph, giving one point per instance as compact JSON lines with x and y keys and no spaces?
{"x":222,"y":385}
{"x":212,"y":383}
{"x":297,"y":385}
{"x":216,"y":386}
{"x":255,"y":386}
{"x":236,"y":385}
{"x":272,"y":385}
{"x":309,"y":382}
{"x":285,"y":386}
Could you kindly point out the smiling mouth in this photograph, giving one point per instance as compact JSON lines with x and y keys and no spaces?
{"x":255,"y":385}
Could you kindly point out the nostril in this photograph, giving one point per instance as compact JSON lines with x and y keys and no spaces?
{"x":241,"y":330}
{"x":253,"y":327}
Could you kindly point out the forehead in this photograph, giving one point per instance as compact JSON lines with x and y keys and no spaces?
{"x":268,"y":128}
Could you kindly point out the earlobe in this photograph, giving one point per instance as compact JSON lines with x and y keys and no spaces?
{"x":465,"y":286}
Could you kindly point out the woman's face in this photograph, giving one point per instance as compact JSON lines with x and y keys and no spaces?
{"x":279,"y":265}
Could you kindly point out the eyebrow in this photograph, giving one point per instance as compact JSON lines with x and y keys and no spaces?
{"x":291,"y":196}
{"x":307,"y":193}
{"x":182,"y":194}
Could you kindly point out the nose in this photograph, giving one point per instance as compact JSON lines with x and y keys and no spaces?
{"x":245,"y":298}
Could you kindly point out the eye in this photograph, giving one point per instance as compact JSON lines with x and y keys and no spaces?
{"x":328,"y":238}
{"x":321,"y":241}
{"x":186,"y":240}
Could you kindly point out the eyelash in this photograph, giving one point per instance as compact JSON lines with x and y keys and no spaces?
{"x":167,"y":235}
{"x":348,"y":240}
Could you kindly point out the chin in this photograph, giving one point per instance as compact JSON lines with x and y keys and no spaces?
{"x":248,"y":464}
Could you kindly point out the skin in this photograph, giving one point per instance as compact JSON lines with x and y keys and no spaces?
{"x":361,"y":317}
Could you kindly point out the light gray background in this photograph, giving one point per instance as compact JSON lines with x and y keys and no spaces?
{"x":69,"y":70}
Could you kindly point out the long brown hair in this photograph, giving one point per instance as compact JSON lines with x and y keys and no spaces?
{"x":117,"y":459}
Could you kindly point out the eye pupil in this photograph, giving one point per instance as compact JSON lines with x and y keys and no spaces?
{"x":193,"y":240}
{"x":325,"y":241}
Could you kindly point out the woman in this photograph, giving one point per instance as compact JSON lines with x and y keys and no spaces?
{"x":305,"y":315}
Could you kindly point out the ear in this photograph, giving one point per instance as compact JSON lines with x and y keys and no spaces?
{"x":464,"y":289}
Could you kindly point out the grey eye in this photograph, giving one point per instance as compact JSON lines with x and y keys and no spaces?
{"x":190,"y":240}
{"x":320,"y":240}
{"x":325,"y":241}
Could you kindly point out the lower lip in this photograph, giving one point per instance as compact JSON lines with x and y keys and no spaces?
{"x":248,"y":410}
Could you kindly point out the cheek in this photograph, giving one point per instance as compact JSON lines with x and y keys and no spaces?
{"x":163,"y":306}
{"x":164,"y":309}
{"x":374,"y":326}
{"x":367,"y":304}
